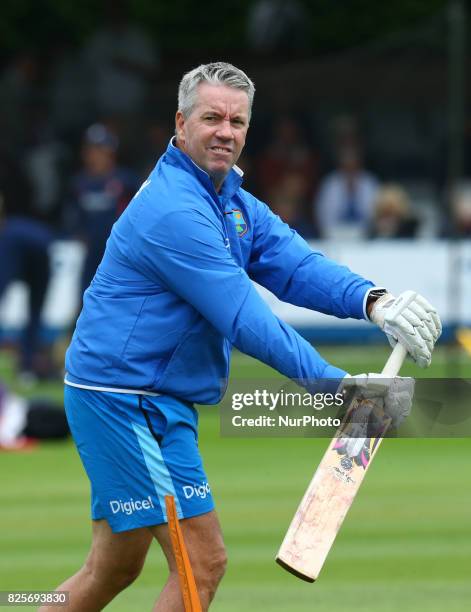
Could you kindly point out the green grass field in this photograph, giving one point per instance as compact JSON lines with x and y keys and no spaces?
{"x":406,"y":543}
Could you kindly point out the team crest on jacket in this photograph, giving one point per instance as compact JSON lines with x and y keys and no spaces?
{"x":239,"y":222}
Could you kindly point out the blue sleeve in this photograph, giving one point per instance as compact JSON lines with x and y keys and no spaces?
{"x":186,"y":251}
{"x":285,"y":264}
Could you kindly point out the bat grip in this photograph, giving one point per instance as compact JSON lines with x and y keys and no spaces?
{"x":395,"y":361}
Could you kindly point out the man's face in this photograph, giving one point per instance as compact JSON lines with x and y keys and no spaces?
{"x":98,"y":159}
{"x":214,"y":134}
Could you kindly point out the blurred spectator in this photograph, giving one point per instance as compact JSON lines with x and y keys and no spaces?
{"x":122,"y":61}
{"x":100,"y":192}
{"x":277,"y":25}
{"x":289,"y":203}
{"x":288,"y":165}
{"x":344,"y":204}
{"x":24,"y":255}
{"x":288,"y":151}
{"x":459,"y":226}
{"x":392,"y":217}
{"x":336,"y":133}
{"x":345,"y":133}
{"x":46,"y":161}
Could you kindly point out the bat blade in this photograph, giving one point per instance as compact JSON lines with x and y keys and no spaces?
{"x":329,"y":496}
{"x":323,"y":509}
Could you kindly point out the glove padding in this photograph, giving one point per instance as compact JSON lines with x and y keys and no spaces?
{"x":412,"y":321}
{"x":393,"y":396}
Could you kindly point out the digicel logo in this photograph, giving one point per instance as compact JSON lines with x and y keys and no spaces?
{"x":131,"y":505}
{"x":202,"y":490}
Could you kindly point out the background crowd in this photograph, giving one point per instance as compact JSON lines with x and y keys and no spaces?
{"x":338,"y":148}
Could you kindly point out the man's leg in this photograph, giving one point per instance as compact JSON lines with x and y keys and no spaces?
{"x":115,"y":560}
{"x":203,"y":539}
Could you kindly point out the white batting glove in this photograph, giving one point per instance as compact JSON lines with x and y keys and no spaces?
{"x":398,"y":399}
{"x":411,"y":320}
{"x":392,"y":395}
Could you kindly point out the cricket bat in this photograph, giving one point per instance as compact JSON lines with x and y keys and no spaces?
{"x":329,"y":497}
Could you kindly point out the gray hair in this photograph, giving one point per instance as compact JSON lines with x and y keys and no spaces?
{"x":216,"y":73}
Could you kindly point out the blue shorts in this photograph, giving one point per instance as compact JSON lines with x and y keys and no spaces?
{"x":136,"y":449}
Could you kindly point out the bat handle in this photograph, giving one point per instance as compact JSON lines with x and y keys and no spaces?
{"x":395,"y":361}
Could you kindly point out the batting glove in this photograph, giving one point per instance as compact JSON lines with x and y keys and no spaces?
{"x":393,"y":396}
{"x":412,"y":321}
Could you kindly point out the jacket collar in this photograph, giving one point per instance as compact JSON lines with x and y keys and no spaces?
{"x":178,"y":158}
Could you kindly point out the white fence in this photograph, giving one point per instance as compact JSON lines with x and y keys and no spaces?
{"x":426,"y":266}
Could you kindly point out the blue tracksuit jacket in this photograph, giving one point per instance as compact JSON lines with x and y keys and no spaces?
{"x":173,"y":292}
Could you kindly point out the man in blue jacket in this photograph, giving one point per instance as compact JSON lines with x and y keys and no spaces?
{"x":170,"y":298}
